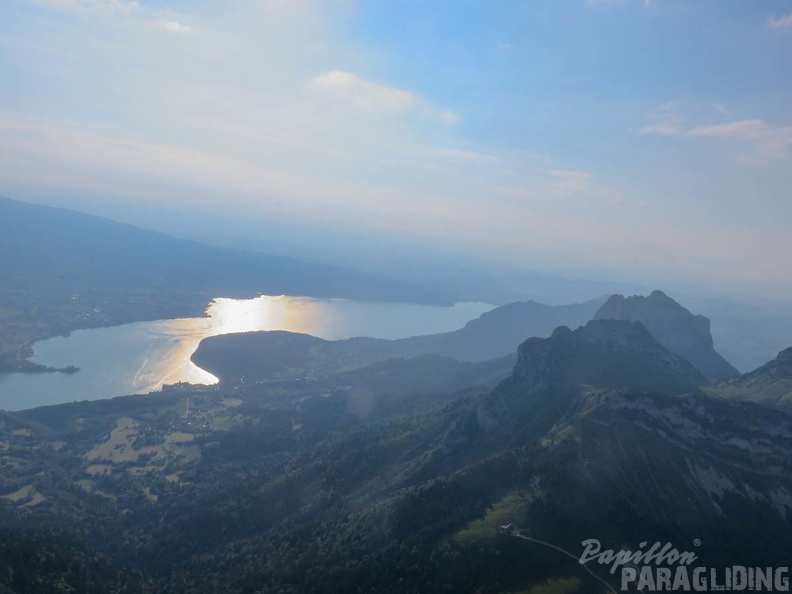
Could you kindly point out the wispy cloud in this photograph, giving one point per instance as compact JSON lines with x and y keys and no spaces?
{"x":571,"y":181}
{"x":173,"y":26}
{"x":121,"y":6}
{"x":270,"y":108}
{"x":457,"y":189}
{"x":376,"y":98}
{"x":761,"y":141}
{"x":449,"y":117}
{"x":664,"y":121}
{"x":765,"y":142}
{"x":131,"y":11}
{"x":364,"y":94}
{"x":580,"y":184}
{"x":781,"y":22}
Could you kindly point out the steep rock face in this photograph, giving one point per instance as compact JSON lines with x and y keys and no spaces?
{"x":638,"y":445}
{"x":551,"y":374}
{"x":644,"y":444}
{"x":770,"y":385}
{"x":674,"y":327}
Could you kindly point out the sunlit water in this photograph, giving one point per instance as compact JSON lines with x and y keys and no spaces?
{"x":142,"y":357}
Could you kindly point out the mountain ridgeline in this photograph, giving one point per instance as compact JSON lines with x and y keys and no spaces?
{"x":279,"y":355}
{"x":674,"y":327}
{"x":368,"y":465}
{"x":62,"y":270}
{"x":770,"y":384}
{"x":259,"y":356}
{"x":286,"y":485}
{"x":44,"y":247}
{"x":603,"y":355}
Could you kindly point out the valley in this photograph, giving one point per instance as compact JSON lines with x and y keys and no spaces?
{"x":280,"y":477}
{"x":395,"y":297}
{"x":47,"y":289}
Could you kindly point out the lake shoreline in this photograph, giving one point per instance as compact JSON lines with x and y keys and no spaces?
{"x":143,"y":356}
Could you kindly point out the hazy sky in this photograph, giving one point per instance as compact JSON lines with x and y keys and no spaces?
{"x":645,"y":135}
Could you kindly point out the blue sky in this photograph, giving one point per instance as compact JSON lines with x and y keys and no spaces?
{"x":650,"y":138}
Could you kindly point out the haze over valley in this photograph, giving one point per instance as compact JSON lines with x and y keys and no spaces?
{"x":366,"y":296}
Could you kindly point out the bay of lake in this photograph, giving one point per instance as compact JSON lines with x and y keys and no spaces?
{"x":141,"y":357}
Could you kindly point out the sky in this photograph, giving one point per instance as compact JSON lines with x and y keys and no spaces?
{"x":647,"y":138}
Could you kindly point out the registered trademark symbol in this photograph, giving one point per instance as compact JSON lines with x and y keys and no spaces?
{"x":697,"y":543}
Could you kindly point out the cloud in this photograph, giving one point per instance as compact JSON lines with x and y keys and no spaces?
{"x":172,"y":26}
{"x":662,"y":129}
{"x":720,"y":109}
{"x":782,"y":22}
{"x":121,"y":6}
{"x":449,"y":117}
{"x":572,"y":181}
{"x":160,"y":19}
{"x":763,"y":142}
{"x":351,"y":89}
{"x":767,"y":143}
{"x":504,"y":46}
{"x":665,"y":121}
{"x":581,"y":185}
{"x":251,"y":113}
{"x":364,"y":94}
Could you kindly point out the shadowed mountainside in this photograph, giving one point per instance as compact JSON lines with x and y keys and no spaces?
{"x":674,"y":327}
{"x":285,"y":487}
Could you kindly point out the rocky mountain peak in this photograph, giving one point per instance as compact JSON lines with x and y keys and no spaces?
{"x":675,"y":327}
{"x":551,"y":374}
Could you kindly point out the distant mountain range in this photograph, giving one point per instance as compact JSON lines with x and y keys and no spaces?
{"x":271,"y":355}
{"x":62,"y":270}
{"x":43,"y":247}
{"x":460,"y":462}
{"x":260,"y":356}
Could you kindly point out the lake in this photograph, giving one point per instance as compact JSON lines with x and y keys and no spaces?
{"x":141,"y":357}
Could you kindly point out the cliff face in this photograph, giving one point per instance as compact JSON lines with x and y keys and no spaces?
{"x":552,"y":376}
{"x":674,"y":327}
{"x":644,"y":443}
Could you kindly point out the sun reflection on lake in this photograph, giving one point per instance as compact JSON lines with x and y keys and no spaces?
{"x":227,"y":316}
{"x":145,"y":356}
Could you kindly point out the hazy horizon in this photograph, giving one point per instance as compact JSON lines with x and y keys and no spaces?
{"x":643,"y":143}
